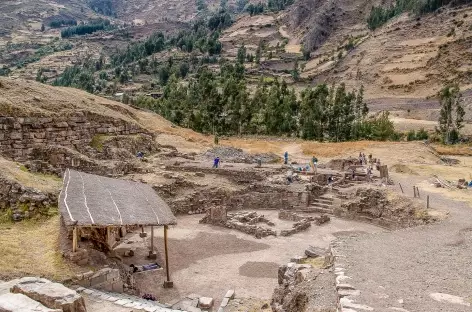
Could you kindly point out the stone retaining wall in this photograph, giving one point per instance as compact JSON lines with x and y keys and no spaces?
{"x":20,"y":202}
{"x":105,"y":279}
{"x":19,"y":135}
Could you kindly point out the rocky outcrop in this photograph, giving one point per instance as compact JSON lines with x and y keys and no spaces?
{"x":19,"y":202}
{"x":51,"y":295}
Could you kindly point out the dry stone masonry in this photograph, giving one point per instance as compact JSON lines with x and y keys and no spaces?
{"x":106,"y":279}
{"x":19,"y":135}
{"x":19,"y":202}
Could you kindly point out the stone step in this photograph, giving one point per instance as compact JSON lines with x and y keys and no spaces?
{"x":318,"y":210}
{"x":320,"y":205}
{"x":127,"y":301}
{"x":322,"y":201}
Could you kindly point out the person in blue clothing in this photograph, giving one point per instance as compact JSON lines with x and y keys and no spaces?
{"x":216,"y":162}
{"x":286,"y":158}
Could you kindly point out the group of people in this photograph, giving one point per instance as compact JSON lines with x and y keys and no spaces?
{"x":310,"y":166}
{"x":363,"y":159}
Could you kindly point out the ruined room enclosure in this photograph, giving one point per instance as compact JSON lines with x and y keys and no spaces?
{"x":238,"y":224}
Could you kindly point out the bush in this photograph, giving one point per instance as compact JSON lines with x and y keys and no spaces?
{"x":411,"y":135}
{"x":422,"y":134}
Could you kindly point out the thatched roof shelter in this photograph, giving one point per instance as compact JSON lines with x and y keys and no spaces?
{"x":91,"y":200}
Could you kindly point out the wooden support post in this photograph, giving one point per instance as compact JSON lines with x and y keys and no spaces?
{"x":167,"y":283}
{"x":74,"y":240}
{"x":152,"y":253}
{"x":152,"y":239}
{"x":427,"y":202}
{"x":418,"y":192}
{"x":401,"y":188}
{"x":414,"y":191}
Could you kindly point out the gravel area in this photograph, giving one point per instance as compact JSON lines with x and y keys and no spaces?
{"x":237,"y":155}
{"x":403,"y":269}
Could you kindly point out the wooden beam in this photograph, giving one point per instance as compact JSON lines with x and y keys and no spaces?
{"x":167,"y":283}
{"x":74,"y":240}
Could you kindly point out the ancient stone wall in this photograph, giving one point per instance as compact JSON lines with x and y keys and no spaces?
{"x":253,"y":197}
{"x":19,"y":135}
{"x":376,"y":206}
{"x":268,"y":198}
{"x":18,"y":202}
{"x":106,"y":279}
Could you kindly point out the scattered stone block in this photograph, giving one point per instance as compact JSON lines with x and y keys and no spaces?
{"x":315,"y":252}
{"x":230,"y":294}
{"x":225,"y":302}
{"x":20,"y":303}
{"x":205,"y":302}
{"x":51,"y":295}
{"x":348,"y":292}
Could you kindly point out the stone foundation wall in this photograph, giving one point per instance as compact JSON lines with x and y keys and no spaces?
{"x":300,"y":226}
{"x":19,"y":135}
{"x":105,"y":279}
{"x":252,"y":197}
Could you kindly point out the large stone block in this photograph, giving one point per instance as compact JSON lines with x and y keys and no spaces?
{"x":20,"y":303}
{"x":51,"y":295}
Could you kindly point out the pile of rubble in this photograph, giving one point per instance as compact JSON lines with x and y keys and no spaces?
{"x":242,"y":221}
{"x":246,"y":222}
{"x":380,"y":207}
{"x":299,"y":226}
{"x":302,"y":222}
{"x":237,"y":155}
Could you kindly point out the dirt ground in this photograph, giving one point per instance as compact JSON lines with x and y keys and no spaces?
{"x":209,"y":260}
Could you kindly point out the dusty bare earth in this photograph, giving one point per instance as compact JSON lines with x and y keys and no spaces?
{"x":209,"y":260}
{"x":404,"y":269}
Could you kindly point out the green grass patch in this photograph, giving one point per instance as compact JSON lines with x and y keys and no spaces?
{"x":314,"y":262}
{"x":97,"y":142}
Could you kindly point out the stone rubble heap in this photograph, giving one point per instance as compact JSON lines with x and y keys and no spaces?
{"x":246,"y":222}
{"x":299,"y":226}
{"x":242,"y":221}
{"x":301,"y":222}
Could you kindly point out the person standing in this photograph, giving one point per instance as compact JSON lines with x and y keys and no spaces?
{"x":286,"y":158}
{"x":314,"y":160}
{"x":216,"y":162}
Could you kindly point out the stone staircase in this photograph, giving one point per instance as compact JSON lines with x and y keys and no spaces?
{"x":127,"y":301}
{"x":322,"y":204}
